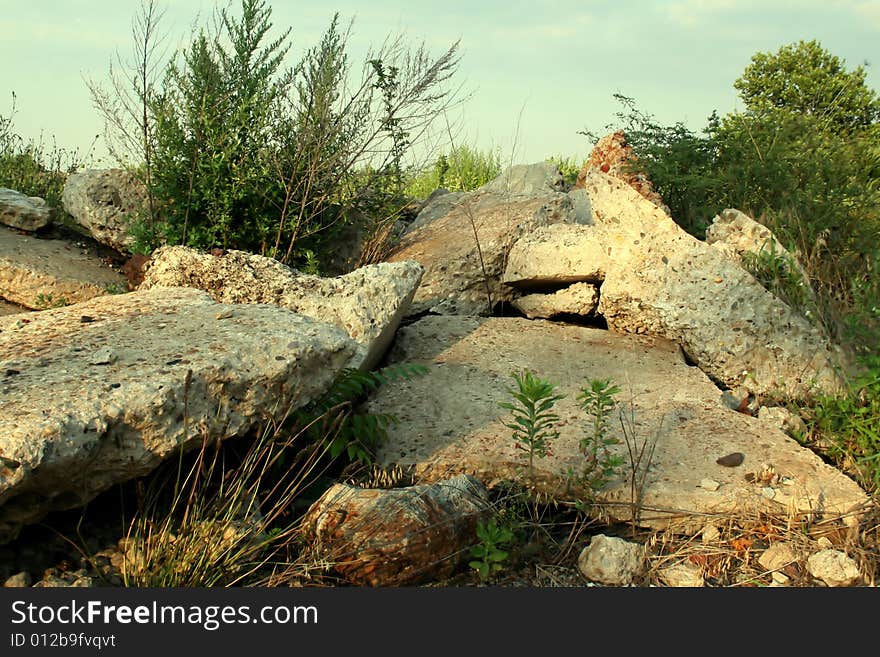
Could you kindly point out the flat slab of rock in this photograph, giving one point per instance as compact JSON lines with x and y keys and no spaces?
{"x":368,"y":302}
{"x":23,"y":212}
{"x":451,"y":422}
{"x":463,"y":269}
{"x":40,"y":273}
{"x":101,"y":392}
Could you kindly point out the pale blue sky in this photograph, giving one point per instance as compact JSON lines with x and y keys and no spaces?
{"x":556,"y":61}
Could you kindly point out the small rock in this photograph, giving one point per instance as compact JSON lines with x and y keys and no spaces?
{"x":833,"y":567}
{"x":104,"y":356}
{"x":824,"y":543}
{"x":731,"y":460}
{"x":777,"y":556}
{"x":710,"y":534}
{"x":778,"y":579}
{"x":682,"y":575}
{"x":612,"y":561}
{"x":709,"y":484}
{"x":19,"y":580}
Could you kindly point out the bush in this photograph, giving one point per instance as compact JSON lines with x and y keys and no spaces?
{"x":465,"y":168}
{"x":250,"y":155}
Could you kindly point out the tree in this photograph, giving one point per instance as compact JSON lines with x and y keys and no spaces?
{"x":804,"y":78}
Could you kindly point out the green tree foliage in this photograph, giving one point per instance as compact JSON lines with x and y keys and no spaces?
{"x":804,"y":78}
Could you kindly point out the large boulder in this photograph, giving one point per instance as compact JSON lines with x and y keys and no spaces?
{"x":465,"y":250}
{"x":42,"y":273}
{"x":450,"y":422}
{"x":103,"y":391}
{"x":368,"y":303}
{"x":657,"y":279}
{"x":104,"y":202}
{"x":28,"y":213}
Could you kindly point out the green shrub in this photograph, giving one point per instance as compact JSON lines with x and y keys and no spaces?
{"x":248,"y":154}
{"x":463,"y":169}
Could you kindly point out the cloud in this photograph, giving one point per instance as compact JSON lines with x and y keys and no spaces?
{"x":566,"y":27}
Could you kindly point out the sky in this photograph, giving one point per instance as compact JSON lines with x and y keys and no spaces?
{"x":535,"y":72}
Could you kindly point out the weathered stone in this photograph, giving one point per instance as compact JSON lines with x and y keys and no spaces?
{"x":537,"y":178}
{"x":438,"y":204}
{"x":578,"y":299}
{"x":450,"y":422}
{"x":834,"y":568}
{"x":682,"y":575}
{"x":464,"y":252}
{"x":104,"y":202}
{"x":777,"y":556}
{"x":583,"y":210}
{"x":660,"y":280}
{"x":23,"y":212}
{"x":782,"y":419}
{"x":38,"y":274}
{"x":612,"y":561}
{"x":399,"y":536}
{"x":368,"y":302}
{"x":612,"y":155}
{"x":737,"y":234}
{"x":556,"y":255}
{"x":184,"y":365}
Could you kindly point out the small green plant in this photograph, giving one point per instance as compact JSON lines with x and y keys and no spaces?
{"x":355,"y":433}
{"x":597,"y":401}
{"x":533,"y":422}
{"x":779,"y":273}
{"x":46,"y":301}
{"x":114,"y":288}
{"x":463,"y":169}
{"x":489,"y":554}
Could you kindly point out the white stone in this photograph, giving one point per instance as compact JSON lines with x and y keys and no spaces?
{"x":612,"y":561}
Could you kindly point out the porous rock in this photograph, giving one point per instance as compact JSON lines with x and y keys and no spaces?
{"x":368,"y":303}
{"x":41,"y":273}
{"x":611,"y":560}
{"x":183,"y":365}
{"x":30,"y":213}
{"x":104,"y":202}
{"x":450,"y":422}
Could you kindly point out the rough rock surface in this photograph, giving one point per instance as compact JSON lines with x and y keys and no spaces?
{"x":537,"y":178}
{"x":438,"y":204}
{"x":450,"y":421}
{"x":660,"y":280}
{"x":462,"y":273}
{"x":103,"y":201}
{"x":23,"y":212}
{"x":399,"y":536}
{"x":558,"y":254}
{"x":612,"y":561}
{"x":577,"y":299}
{"x":612,"y":155}
{"x":737,"y":234}
{"x":834,"y":568}
{"x":39,"y":273}
{"x":368,"y":303}
{"x":133,"y":377}
{"x":682,"y":575}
